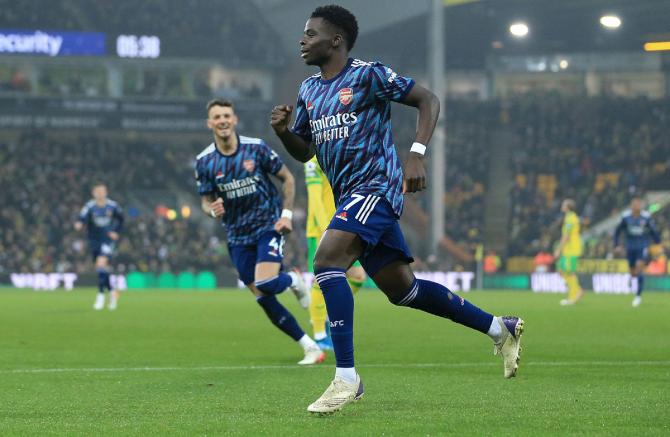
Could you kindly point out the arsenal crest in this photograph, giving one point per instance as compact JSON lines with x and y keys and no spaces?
{"x":310,"y":106}
{"x":249,"y":165}
{"x":346,"y":95}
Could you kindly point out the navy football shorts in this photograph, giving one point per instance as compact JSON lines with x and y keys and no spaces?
{"x":373,"y":220}
{"x":269,"y":248}
{"x":635,"y":254}
{"x":101,"y":248}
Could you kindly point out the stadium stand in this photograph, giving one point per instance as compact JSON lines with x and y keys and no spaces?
{"x":598,"y":151}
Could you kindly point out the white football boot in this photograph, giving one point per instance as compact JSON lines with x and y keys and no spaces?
{"x":113,"y":299}
{"x":313,"y":355}
{"x":509,"y":346}
{"x":338,"y":394}
{"x":99,"y":302}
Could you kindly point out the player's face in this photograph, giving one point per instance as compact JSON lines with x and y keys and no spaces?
{"x":636,"y":206}
{"x":99,"y":192}
{"x":316,"y":44}
{"x":565,"y":207}
{"x":222,"y":121}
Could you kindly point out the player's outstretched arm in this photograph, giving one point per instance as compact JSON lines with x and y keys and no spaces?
{"x":429,"y":110}
{"x":295,"y":146}
{"x":284,"y":224}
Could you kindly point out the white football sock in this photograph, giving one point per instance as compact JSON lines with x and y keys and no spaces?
{"x":495,"y":330}
{"x":294,"y":278}
{"x":307,"y":343}
{"x":346,"y":373}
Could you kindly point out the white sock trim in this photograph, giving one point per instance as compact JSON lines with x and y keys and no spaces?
{"x":346,"y":373}
{"x":495,"y":330}
{"x":294,"y":278}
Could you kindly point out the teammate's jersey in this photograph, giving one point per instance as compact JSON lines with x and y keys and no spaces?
{"x":348,"y":120}
{"x":571,"y":228}
{"x":100,"y":220}
{"x":637,"y":229}
{"x":320,"y":202}
{"x":251,"y":201}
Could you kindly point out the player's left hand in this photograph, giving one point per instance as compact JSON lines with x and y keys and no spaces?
{"x":113,"y":235}
{"x":415,"y":174}
{"x":284,"y":226}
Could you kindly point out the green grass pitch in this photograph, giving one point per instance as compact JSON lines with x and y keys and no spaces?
{"x":170,"y":362}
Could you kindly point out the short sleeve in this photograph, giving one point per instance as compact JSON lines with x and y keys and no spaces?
{"x":83,"y":213}
{"x":389,"y":85}
{"x":204,"y":183}
{"x":301,"y":124}
{"x":268,"y":159}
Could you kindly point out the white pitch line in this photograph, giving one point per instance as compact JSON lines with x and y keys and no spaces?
{"x":381,"y":365}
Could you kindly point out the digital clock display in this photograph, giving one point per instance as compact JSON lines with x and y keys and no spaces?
{"x":138,"y":46}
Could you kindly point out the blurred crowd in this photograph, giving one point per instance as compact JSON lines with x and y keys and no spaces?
{"x":209,"y":24}
{"x":598,"y":151}
{"x":47,"y":181}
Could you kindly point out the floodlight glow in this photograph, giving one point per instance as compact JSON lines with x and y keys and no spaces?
{"x":519,"y":29}
{"x":610,"y":21}
{"x":563,"y":64}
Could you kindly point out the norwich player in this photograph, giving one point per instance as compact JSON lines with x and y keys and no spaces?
{"x":569,"y":249}
{"x":320,"y":210}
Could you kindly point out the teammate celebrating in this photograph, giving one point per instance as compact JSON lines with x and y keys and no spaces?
{"x":103,"y":219}
{"x":343,"y":116}
{"x":568,"y":251}
{"x":233,"y":179}
{"x":320,"y":209}
{"x":638,"y":226}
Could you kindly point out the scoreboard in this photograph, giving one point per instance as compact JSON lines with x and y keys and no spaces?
{"x":38,"y":42}
{"x":138,"y":46}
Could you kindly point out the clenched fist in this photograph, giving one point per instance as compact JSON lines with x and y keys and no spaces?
{"x":280,"y":118}
{"x":217,"y":208}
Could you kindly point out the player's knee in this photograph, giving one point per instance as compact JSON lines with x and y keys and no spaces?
{"x":270,"y":286}
{"x":322,"y":262}
{"x":356,"y":274}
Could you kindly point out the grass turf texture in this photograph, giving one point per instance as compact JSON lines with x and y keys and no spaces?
{"x":183,"y":363}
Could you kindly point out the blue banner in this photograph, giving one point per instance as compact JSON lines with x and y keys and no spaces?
{"x":48,"y":43}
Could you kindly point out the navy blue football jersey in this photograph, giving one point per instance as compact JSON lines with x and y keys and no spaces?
{"x":637,"y":230}
{"x":251,"y":201}
{"x":100,"y":220}
{"x":348,"y":119}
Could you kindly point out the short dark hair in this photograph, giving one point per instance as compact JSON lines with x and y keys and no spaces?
{"x":341,"y":18}
{"x":220,"y":102}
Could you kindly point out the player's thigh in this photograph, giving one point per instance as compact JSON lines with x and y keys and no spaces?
{"x":101,"y":261}
{"x":640,"y":265}
{"x":269,"y":255}
{"x":266,"y":270}
{"x":338,"y":248}
{"x":394,"y":279}
{"x":244,"y":260}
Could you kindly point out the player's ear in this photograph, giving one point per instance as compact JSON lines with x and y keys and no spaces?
{"x":337,"y":40}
